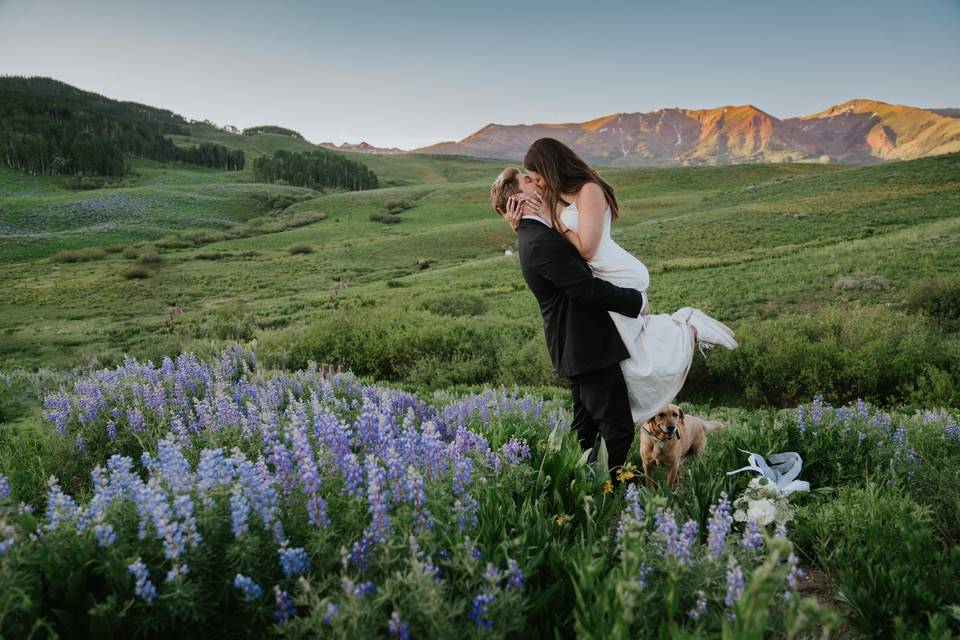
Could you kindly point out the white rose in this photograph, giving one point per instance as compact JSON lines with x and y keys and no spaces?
{"x":763,"y":511}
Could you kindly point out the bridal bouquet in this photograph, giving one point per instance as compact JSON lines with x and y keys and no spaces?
{"x":763,"y":503}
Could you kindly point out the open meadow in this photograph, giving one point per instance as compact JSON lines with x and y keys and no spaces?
{"x":240,"y":408}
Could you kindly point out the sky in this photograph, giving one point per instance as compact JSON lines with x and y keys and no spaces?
{"x":408,"y":74}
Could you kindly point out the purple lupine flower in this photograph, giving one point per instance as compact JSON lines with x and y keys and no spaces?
{"x":674,"y":541}
{"x":239,"y":512}
{"x":801,"y":418}
{"x":480,"y":609}
{"x":462,"y":473}
{"x":177,"y":571}
{"x":415,"y":492}
{"x":816,"y":410}
{"x":60,"y":507}
{"x":59,"y":412}
{"x":105,"y":535}
{"x":700,"y":608}
{"x":752,"y":538}
{"x":397,"y":628}
{"x":135,"y":420}
{"x":466,"y":508}
{"x":330,"y":613}
{"x":284,"y":609}
{"x":516,"y":451}
{"x":514,"y":575}
{"x":4,"y":487}
{"x":363,"y":589}
{"x":360,"y":551}
{"x":377,"y":501}
{"x":308,"y":475}
{"x":250,"y":589}
{"x":665,"y":529}
{"x":643,"y":574}
{"x":294,"y":561}
{"x":952,"y":431}
{"x":718,"y":527}
{"x":144,"y":587}
{"x":793,"y":578}
{"x":7,"y":538}
{"x":735,"y":584}
{"x":688,"y":536}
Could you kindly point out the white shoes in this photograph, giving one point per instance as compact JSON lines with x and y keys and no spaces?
{"x":710,"y":331}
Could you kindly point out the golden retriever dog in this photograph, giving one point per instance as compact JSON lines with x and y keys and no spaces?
{"x":669,"y":438}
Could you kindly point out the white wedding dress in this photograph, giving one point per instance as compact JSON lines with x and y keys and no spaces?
{"x":660,"y":345}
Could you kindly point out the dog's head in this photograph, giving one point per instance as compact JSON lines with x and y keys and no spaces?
{"x":667,"y":422}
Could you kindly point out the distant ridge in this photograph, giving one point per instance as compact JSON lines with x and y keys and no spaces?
{"x":855,"y":132}
{"x":363,"y":147}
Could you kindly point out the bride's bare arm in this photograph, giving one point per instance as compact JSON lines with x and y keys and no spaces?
{"x":591,"y":203}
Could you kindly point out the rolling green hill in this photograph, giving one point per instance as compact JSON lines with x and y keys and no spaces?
{"x":746,"y":243}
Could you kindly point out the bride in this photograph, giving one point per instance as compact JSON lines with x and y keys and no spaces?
{"x":581,"y":205}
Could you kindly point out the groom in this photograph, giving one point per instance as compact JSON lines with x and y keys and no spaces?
{"x":583,"y":342}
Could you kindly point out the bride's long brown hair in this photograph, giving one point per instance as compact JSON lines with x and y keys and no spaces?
{"x":564,"y":172}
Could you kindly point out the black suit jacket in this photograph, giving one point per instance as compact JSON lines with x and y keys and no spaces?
{"x":580,"y":334}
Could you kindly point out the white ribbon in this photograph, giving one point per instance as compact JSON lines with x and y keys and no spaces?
{"x":782,"y":470}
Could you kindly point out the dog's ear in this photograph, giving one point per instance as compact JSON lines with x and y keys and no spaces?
{"x":652,"y":425}
{"x":680,"y":409}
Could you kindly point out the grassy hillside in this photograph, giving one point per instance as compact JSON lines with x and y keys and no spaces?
{"x":746,"y":243}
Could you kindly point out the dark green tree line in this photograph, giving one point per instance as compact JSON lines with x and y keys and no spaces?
{"x":315,"y":170}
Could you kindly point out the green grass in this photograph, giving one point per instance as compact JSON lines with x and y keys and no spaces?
{"x":744,"y":243}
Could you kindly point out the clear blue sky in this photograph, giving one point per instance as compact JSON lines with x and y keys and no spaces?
{"x":412,"y":73}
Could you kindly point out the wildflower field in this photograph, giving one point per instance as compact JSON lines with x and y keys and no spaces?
{"x":218,"y":497}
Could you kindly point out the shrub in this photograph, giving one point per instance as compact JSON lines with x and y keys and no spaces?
{"x":938,"y":298}
{"x":130,"y":253}
{"x":230,"y":322}
{"x":384,"y":218}
{"x":135,"y":273}
{"x":425,"y":350}
{"x":151,"y":259}
{"x":462,"y":304}
{"x":842,"y":353}
{"x":79,"y":255}
{"x":863,"y":282}
{"x":301,"y":218}
{"x":295,"y":249}
{"x":213,"y":255}
{"x":397,"y":205}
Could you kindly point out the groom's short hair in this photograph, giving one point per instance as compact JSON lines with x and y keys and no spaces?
{"x":503,"y":187}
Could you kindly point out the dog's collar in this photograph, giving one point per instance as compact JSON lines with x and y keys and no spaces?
{"x":660,"y":441}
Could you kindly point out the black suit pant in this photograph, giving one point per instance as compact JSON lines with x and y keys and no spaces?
{"x":601,"y":408}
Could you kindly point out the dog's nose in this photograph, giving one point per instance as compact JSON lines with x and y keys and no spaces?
{"x":671,"y":428}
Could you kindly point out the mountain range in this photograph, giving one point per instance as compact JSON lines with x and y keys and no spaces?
{"x":854,"y":132}
{"x":363,"y":147}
